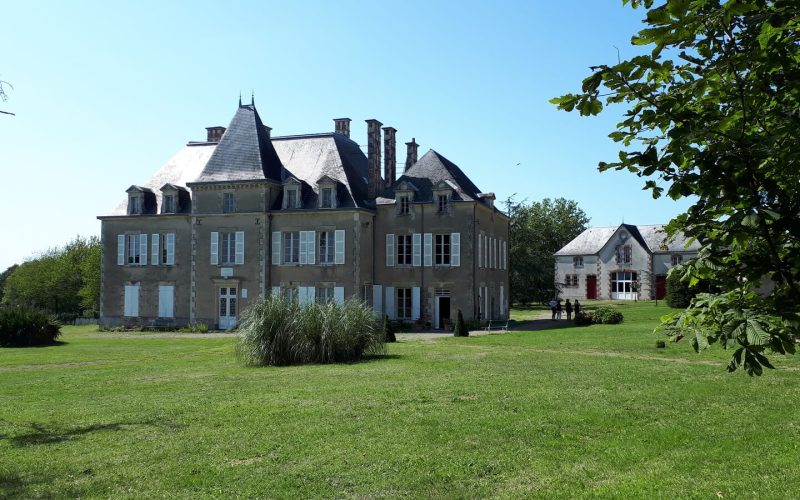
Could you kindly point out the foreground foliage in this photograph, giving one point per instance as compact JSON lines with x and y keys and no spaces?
{"x":712,"y":112}
{"x":276,"y":331}
{"x":25,"y":327}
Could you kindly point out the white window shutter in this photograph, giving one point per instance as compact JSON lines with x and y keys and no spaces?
{"x":132,"y":300}
{"x":311,"y":246}
{"x":143,"y":249}
{"x":276,"y":290}
{"x":170,"y":242}
{"x":480,"y":243}
{"x":301,"y":295}
{"x":390,"y":309}
{"x":377,"y":300}
{"x":120,"y":249}
{"x":389,"y":251}
{"x":276,"y":248}
{"x":165,"y":301}
{"x":428,"y":240}
{"x":339,"y":247}
{"x":303,"y":247}
{"x":502,"y":303}
{"x":311,"y":294}
{"x":214,"y":248}
{"x":338,"y":294}
{"x":154,"y":240}
{"x":417,"y":249}
{"x":415,"y":303}
{"x":239,"y":247}
{"x":455,"y":249}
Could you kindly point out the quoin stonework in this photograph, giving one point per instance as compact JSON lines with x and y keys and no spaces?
{"x":244,"y":214}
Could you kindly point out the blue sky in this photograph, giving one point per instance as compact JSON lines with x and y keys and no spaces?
{"x":104,"y":93}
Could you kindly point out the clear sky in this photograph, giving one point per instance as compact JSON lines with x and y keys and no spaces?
{"x":106,"y":92}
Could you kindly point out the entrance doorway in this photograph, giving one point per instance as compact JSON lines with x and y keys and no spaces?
{"x":441,"y":309}
{"x":622,"y":285}
{"x":661,"y":286}
{"x":591,"y":286}
{"x":227,"y":308}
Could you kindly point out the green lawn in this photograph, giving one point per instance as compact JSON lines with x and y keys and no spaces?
{"x":564,"y":412}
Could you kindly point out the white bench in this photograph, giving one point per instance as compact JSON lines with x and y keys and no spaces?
{"x":498,"y":325}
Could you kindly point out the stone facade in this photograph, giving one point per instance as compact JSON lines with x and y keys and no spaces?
{"x":308,"y":217}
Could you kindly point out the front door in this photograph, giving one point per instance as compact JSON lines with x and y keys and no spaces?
{"x":443,"y":308}
{"x":227,"y":308}
{"x":661,"y":286}
{"x":591,"y":286}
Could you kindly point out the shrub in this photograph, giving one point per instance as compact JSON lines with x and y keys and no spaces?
{"x":660,"y":344}
{"x":198,"y":327}
{"x":678,"y":293}
{"x":276,"y":331}
{"x":461,"y":328}
{"x":22,"y":327}
{"x":607,"y":315}
{"x":388,"y":330}
{"x":583,"y":319}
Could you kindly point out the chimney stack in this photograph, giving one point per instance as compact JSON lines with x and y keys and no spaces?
{"x":374,"y":157}
{"x":268,"y":131}
{"x":411,"y":154}
{"x":342,"y":126}
{"x":390,"y":160}
{"x":214,"y":134}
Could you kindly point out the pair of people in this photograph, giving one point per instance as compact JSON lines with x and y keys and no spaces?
{"x":555,"y":308}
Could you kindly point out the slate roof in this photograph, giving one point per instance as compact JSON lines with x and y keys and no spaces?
{"x":244,"y":152}
{"x":432,"y":169}
{"x":651,"y":237}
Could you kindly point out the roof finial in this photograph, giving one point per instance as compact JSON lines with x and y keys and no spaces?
{"x":240,"y":98}
{"x":252,"y":97}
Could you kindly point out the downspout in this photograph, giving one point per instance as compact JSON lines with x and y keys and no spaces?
{"x":474,"y":254}
{"x":422,"y":267}
{"x":268,"y":252}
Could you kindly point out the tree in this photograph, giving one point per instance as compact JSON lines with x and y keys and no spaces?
{"x":4,"y":276}
{"x":537,"y":231}
{"x":712,"y":112}
{"x":461,"y":329}
{"x":4,"y":96}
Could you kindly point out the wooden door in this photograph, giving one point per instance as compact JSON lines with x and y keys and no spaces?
{"x":661,"y":286}
{"x":591,"y":286}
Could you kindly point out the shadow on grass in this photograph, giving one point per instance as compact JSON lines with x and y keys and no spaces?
{"x":55,"y":343}
{"x":40,"y":434}
{"x":543,"y":324}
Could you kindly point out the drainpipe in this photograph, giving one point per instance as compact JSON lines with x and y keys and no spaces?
{"x":268,"y":285}
{"x":474,"y":254}
{"x":422,"y":267}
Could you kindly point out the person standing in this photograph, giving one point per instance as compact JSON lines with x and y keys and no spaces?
{"x":558,"y":309}
{"x":568,"y":308}
{"x":577,"y":307}
{"x":552,"y":305}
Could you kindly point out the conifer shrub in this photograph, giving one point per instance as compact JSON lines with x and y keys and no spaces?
{"x":388,"y":330}
{"x":279,"y":332}
{"x":24,"y":327}
{"x":460,"y":329}
{"x":607,"y":315}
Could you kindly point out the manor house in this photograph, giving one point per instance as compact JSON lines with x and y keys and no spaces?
{"x":244,"y":214}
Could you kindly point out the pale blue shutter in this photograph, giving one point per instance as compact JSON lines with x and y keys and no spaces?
{"x":142,"y":249}
{"x":480,"y":244}
{"x":415,"y":303}
{"x":214,"y":248}
{"x":303,"y":248}
{"x":276,"y":291}
{"x":120,"y":249}
{"x":390,"y":309}
{"x":154,"y":240}
{"x":239,"y":247}
{"x":311,"y":246}
{"x":455,"y":249}
{"x":377,"y":300}
{"x":338,"y":294}
{"x":417,"y":249}
{"x":170,"y":242}
{"x":428,"y":244}
{"x":166,"y":294}
{"x":389,"y":250}
{"x":339,"y":247}
{"x":276,"y":248}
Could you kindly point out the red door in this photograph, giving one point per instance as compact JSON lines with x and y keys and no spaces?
{"x":661,"y":286}
{"x":591,"y":286}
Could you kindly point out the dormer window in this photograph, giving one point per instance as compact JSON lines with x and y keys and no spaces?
{"x":227,"y":203}
{"x":168,"y":204}
{"x":441,"y":203}
{"x":326,"y":199}
{"x":577,"y":262}
{"x":290,"y":198}
{"x":405,"y":204}
{"x":134,"y":205}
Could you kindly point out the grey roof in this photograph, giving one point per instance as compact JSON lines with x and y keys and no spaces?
{"x":432,"y":169}
{"x":651,"y":237}
{"x":244,"y":152}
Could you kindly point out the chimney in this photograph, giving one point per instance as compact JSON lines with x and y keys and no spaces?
{"x":374,"y":157}
{"x":268,"y":131}
{"x":342,"y":126}
{"x":390,"y":160}
{"x":411,"y":154}
{"x":214,"y":134}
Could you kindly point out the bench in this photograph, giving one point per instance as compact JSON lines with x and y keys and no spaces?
{"x":498,"y":325}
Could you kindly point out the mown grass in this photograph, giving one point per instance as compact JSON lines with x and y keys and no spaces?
{"x":565,"y":412}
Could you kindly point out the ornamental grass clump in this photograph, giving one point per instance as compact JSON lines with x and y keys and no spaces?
{"x":279,"y":332}
{"x":24,"y":327}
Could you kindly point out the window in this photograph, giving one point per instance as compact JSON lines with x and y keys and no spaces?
{"x":227,"y":203}
{"x":623,"y":255}
{"x":168,"y":204}
{"x":577,"y":262}
{"x":442,"y":250}
{"x":228,"y":250}
{"x":403,"y":303}
{"x":291,"y":198}
{"x":326,"y":247}
{"x":442,"y":203}
{"x":291,"y":247}
{"x":405,"y":205}
{"x":134,"y":245}
{"x":324,"y":294}
{"x":677,"y":260}
{"x":403,"y":249}
{"x":289,"y":293}
{"x":571,"y":280}
{"x":227,"y":302}
{"x":327,"y":198}
{"x":134,"y":205}
{"x":622,"y":281}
